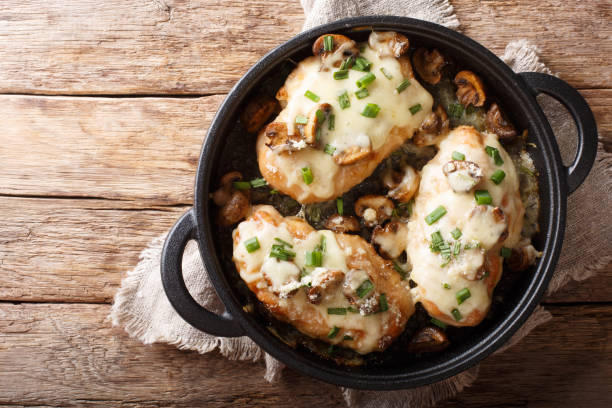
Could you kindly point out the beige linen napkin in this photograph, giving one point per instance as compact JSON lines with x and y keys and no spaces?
{"x":142,"y":308}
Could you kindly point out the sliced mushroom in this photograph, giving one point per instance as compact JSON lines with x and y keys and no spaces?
{"x":279,"y":138}
{"x":352,"y":155}
{"x":402,"y":185}
{"x":318,"y":115}
{"x":428,"y":339}
{"x":522,"y":258}
{"x":374,"y":209}
{"x":342,"y":223}
{"x":353,"y":287}
{"x":223,"y":194}
{"x":497,"y":123}
{"x":235,"y":209}
{"x":470,"y":89}
{"x":388,"y":44}
{"x":282,"y":96}
{"x":429,"y":64}
{"x":462,"y":175}
{"x":391,"y":240}
{"x":323,"y":284}
{"x":433,"y":128}
{"x":343,"y":47}
{"x":257,"y":112}
{"x":487,"y":225}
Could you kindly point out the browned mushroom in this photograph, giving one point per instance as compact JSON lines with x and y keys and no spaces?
{"x":462,"y":175}
{"x":428,"y":339}
{"x":352,"y":155}
{"x":497,"y":123}
{"x":429,"y":64}
{"x":522,"y":258}
{"x":257,"y":112}
{"x":285,"y":284}
{"x":342,"y":223}
{"x":363,"y":297}
{"x":405,"y":67}
{"x":391,"y":240}
{"x":402,"y":185}
{"x":280,"y":139}
{"x":389,"y":44}
{"x":374,"y":209}
{"x":235,"y":209}
{"x":470,"y":89}
{"x":433,"y":128}
{"x":342,"y":47}
{"x":324,"y":283}
{"x":223,"y":194}
{"x":318,"y":115}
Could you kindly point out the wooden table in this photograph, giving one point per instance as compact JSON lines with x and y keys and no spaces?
{"x":104,"y":107}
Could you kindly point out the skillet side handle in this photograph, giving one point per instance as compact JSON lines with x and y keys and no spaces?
{"x":183,"y":231}
{"x":585,"y":123}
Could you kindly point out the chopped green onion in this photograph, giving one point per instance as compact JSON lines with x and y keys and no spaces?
{"x":352,"y":309}
{"x":252,"y":244}
{"x":347,"y":63}
{"x":314,"y":258}
{"x":456,"y":248}
{"x":494,"y":153}
{"x":341,"y":74}
{"x":371,"y":110}
{"x":498,"y":176}
{"x":456,"y":233}
{"x":241,"y":185}
{"x":362,"y":64}
{"x":471,"y":245}
{"x":331,"y":124}
{"x":456,"y":314}
{"x":386,"y":73}
{"x":402,"y":86}
{"x":436,"y":241}
{"x":458,"y":156}
{"x":446,"y":286}
{"x":329,"y":149}
{"x":340,"y":205}
{"x":483,"y":197}
{"x":399,"y":270}
{"x":344,"y":100}
{"x":362,"y":93}
{"x":365,"y":288}
{"x":333,"y":332}
{"x":328,"y":43}
{"x":347,"y":337}
{"x":505,"y":252}
{"x":455,"y":110}
{"x":438,"y":323}
{"x":301,"y":120}
{"x":318,"y":134}
{"x":258,"y":182}
{"x":435,"y":215}
{"x":336,"y":310}
{"x":365,"y":80}
{"x":415,"y":108}
{"x":320,"y":116}
{"x":313,"y":97}
{"x":382,"y":300}
{"x":463,"y":295}
{"x":282,"y":253}
{"x":283,"y":242}
{"x":307,"y":175}
{"x":273,"y":191}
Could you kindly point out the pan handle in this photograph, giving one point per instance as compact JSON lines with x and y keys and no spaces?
{"x":184,"y":230}
{"x":585,"y":123}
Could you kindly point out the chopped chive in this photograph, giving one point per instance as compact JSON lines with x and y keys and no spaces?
{"x":329,"y":149}
{"x":371,"y":110}
{"x":318,"y":134}
{"x":347,"y":337}
{"x":344,"y":100}
{"x":402,"y":86}
{"x":347,"y":63}
{"x":362,"y":93}
{"x":282,"y":253}
{"x":458,"y":156}
{"x":362,"y":64}
{"x":252,"y":244}
{"x":313,"y":97}
{"x":341,"y":74}
{"x":307,"y":175}
{"x":505,"y":252}
{"x":365,"y":80}
{"x":438,"y":323}
{"x":283,"y":242}
{"x":365,"y":288}
{"x":455,"y":110}
{"x":314,"y":258}
{"x":463,"y":295}
{"x":435,"y":215}
{"x":328,"y":43}
{"x":415,"y":108}
{"x":258,"y":182}
{"x":336,"y":310}
{"x":386,"y":73}
{"x":399,"y":270}
{"x":333,"y":332}
{"x":322,"y":245}
{"x":382,"y":301}
{"x":320,"y":116}
{"x":494,"y":153}
{"x":456,"y":248}
{"x":436,"y":241}
{"x":241,"y":185}
{"x":456,"y":233}
{"x":273,"y":191}
{"x":456,"y":314}
{"x":331,"y":123}
{"x":498,"y":176}
{"x":446,"y":286}
{"x":483,"y":197}
{"x":340,"y":205}
{"x":471,"y":245}
{"x":352,"y":309}
{"x":301,"y":119}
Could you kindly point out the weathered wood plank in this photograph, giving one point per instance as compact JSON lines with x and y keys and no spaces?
{"x":203,"y":47}
{"x":67,"y":355}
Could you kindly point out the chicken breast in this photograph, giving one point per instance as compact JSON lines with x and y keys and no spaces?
{"x":364,"y":115}
{"x":467,"y":209}
{"x":332,"y":287}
